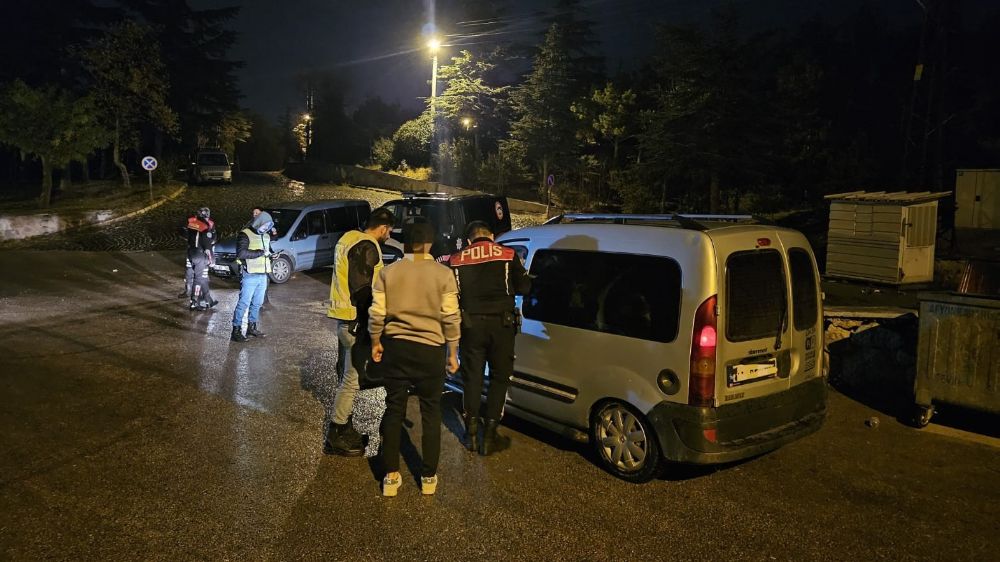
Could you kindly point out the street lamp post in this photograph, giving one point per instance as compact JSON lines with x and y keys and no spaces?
{"x":434,"y":45}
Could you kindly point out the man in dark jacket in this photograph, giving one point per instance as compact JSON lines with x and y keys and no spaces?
{"x":357,"y":260}
{"x":488,"y":275}
{"x":253,"y":252}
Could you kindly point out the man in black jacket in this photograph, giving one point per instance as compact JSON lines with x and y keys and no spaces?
{"x":488,"y":275}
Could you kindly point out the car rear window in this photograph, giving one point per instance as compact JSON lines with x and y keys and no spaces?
{"x":804,"y":301}
{"x":755,"y":295}
{"x":629,"y":295}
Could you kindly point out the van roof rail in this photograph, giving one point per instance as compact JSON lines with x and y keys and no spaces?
{"x":434,"y":194}
{"x":676,"y":220}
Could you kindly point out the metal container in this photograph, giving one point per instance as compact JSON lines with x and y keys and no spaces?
{"x":958,"y":354}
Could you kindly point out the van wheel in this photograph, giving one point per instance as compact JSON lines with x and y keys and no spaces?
{"x":625,"y":443}
{"x":281,"y":270}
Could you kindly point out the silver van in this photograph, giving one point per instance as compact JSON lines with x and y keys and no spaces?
{"x":307,"y":233}
{"x":694,"y":339}
{"x":210,"y":165}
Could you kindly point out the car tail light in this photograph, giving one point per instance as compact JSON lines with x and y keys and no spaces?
{"x":701,"y":385}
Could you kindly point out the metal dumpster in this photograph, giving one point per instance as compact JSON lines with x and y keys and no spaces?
{"x":958,"y":353}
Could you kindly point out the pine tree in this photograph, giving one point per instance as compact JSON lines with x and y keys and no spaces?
{"x":545,"y":127}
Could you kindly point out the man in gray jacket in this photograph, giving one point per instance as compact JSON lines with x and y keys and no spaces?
{"x":414,"y":323}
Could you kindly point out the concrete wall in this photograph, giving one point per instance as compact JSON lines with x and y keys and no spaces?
{"x":354,"y":175}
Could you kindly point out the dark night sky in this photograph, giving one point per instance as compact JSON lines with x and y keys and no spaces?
{"x":378,"y":43}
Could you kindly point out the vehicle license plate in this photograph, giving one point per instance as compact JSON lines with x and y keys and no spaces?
{"x":221,"y":269}
{"x":739,"y":374}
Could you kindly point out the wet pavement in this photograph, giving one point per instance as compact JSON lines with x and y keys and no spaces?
{"x":134,"y":429}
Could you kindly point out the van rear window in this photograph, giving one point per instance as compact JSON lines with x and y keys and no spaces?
{"x":755,"y":295}
{"x":629,"y":295}
{"x":804,"y":301}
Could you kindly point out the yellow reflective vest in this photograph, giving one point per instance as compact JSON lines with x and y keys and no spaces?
{"x":258,"y":242}
{"x":340,"y":292}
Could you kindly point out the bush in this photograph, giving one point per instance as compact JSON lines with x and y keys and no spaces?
{"x":382,"y":150}
{"x":422,"y":174}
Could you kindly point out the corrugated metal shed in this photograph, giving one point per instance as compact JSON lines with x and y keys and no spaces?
{"x":882,"y":236}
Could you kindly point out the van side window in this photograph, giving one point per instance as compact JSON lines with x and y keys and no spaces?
{"x":629,"y":295}
{"x":340,"y":219}
{"x":755,"y":295}
{"x":315,"y":221}
{"x":804,"y":301}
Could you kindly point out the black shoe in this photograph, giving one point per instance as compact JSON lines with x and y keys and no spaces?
{"x":213,"y":303}
{"x":340,"y":441}
{"x":238,"y":335}
{"x":471,"y":438}
{"x":493,"y":442}
{"x":196,"y":306}
{"x":253,"y":331}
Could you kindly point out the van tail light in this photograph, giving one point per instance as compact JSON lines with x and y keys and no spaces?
{"x":701,"y":385}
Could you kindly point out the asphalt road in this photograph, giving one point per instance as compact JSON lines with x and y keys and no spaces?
{"x":134,"y":429}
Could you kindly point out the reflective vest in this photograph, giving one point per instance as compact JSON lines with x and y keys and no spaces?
{"x":258,"y":242}
{"x":340,"y":292}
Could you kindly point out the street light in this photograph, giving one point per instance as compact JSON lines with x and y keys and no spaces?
{"x":466,"y":122}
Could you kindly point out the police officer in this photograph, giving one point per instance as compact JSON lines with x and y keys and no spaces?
{"x":197,"y":227}
{"x":488,"y":275}
{"x":200,"y":245}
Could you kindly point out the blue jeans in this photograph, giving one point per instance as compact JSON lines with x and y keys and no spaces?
{"x":253,"y":287}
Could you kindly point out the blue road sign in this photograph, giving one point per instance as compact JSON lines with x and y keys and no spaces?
{"x":149,"y":163}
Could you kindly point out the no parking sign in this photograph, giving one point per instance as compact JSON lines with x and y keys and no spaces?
{"x":149,"y":164}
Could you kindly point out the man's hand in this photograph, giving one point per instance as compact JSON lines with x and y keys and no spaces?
{"x":452,"y":363}
{"x":377,"y":351}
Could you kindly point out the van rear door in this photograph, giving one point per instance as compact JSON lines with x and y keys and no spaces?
{"x":754,"y":357}
{"x":807,"y":312}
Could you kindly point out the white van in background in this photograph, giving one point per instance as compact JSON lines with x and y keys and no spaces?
{"x":695,"y":339}
{"x":210,"y":165}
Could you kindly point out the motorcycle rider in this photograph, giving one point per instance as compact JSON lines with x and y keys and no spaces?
{"x":201,"y":237}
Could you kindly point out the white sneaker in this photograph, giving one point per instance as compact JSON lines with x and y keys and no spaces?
{"x":428,"y":485}
{"x":390,"y":485}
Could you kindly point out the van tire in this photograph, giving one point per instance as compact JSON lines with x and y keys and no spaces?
{"x":608,"y":422}
{"x":281,"y":270}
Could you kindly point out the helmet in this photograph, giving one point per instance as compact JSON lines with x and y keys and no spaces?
{"x":204,"y":212}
